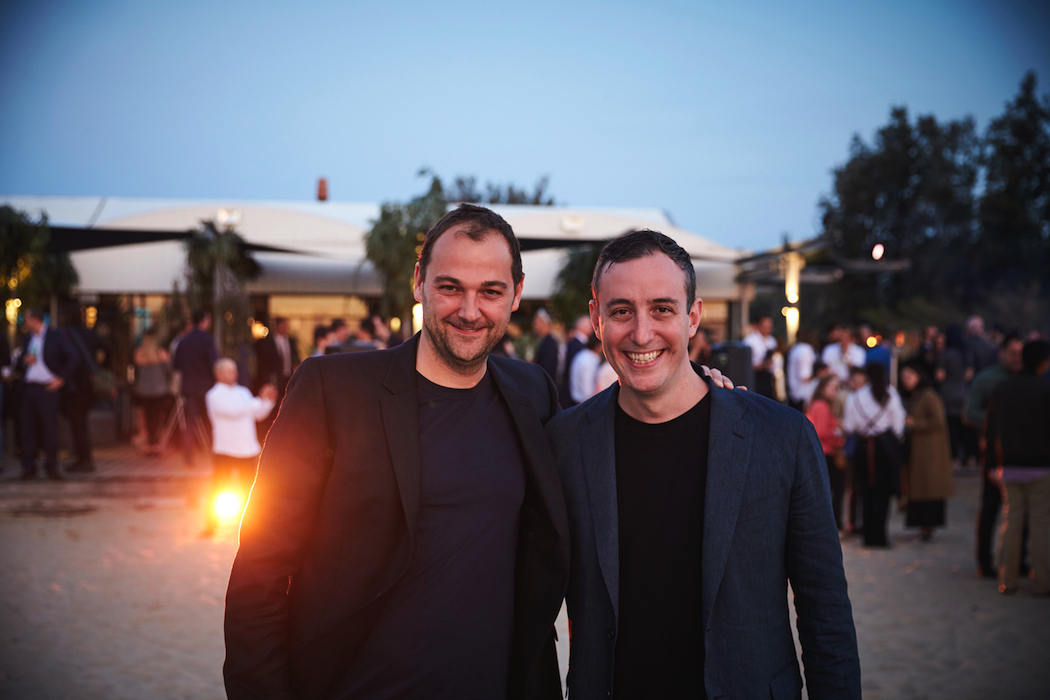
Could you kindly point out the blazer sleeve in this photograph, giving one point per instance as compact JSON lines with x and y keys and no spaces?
{"x":818,"y":582}
{"x":274,"y":535}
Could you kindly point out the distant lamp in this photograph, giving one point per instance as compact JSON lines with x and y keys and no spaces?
{"x":878,"y":251}
{"x":395,"y":324}
{"x":417,"y":318}
{"x":871,"y":342}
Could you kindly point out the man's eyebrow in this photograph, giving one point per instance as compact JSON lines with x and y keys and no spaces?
{"x":447,"y":279}
{"x":667,"y":301}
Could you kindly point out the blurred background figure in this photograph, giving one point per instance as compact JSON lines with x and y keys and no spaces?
{"x":800,"y":380}
{"x":342,"y":336}
{"x":953,"y":386}
{"x":1019,"y":430}
{"x":78,"y":397}
{"x":322,"y":334}
{"x":550,"y":354}
{"x":233,"y":412}
{"x":763,"y":345}
{"x":700,"y":347}
{"x":583,"y":374}
{"x":928,"y":473}
{"x":194,"y":359}
{"x":843,"y":354}
{"x":820,"y":412}
{"x":46,"y":363}
{"x":977,"y":404}
{"x":875,"y":414}
{"x":5,"y":371}
{"x":980,"y":354}
{"x":577,"y":341}
{"x":152,"y":389}
{"x":276,"y":357}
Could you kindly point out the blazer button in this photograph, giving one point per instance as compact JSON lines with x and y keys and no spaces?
{"x":612,"y":635}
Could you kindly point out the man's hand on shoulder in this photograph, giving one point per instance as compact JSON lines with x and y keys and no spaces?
{"x":719,"y":379}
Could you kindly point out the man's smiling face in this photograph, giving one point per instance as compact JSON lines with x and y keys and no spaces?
{"x":645,"y":325}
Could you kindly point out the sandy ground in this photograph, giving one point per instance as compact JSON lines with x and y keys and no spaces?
{"x":125,"y":601}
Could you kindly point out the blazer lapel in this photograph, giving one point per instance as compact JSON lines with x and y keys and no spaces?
{"x":729,"y":451}
{"x":400,"y":422}
{"x":598,"y":455}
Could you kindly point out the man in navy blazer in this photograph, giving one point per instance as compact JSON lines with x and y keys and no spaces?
{"x":691,"y":509}
{"x":47,"y":363}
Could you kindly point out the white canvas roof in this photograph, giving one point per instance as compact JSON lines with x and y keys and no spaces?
{"x":328,"y":240}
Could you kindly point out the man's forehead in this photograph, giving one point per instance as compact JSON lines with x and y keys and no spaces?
{"x":627,"y":280}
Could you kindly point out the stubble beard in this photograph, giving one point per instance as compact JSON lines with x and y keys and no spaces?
{"x":438,"y":332}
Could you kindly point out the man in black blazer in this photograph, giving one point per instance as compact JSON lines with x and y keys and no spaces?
{"x":47,"y":363}
{"x":276,"y":357}
{"x":406,"y":533}
{"x":691,"y":508}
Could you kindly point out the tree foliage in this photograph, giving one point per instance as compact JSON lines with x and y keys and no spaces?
{"x":465,"y":189}
{"x":395,"y":241}
{"x":915,"y":189}
{"x":28,"y":269}
{"x":572,"y":288}
{"x":219,"y":265}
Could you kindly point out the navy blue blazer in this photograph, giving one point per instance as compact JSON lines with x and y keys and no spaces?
{"x":767,"y":521}
{"x":60,"y":357}
{"x":195,"y":358}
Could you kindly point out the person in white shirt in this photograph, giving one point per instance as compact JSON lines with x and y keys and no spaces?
{"x":235,"y":445}
{"x":876,"y":416}
{"x":800,"y":379}
{"x":844,"y":354}
{"x":763,"y":345}
{"x":583,"y":373}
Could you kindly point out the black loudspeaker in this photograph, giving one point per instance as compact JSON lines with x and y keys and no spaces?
{"x":734,"y":361}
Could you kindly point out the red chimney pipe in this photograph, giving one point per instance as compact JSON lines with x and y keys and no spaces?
{"x":322,"y":190}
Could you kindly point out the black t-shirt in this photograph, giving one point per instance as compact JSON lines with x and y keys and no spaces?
{"x":445,"y":629}
{"x":661,"y":478}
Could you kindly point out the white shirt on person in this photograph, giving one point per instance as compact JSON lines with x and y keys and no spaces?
{"x":583,"y":375}
{"x":606,"y":377}
{"x":38,"y":372}
{"x":761,"y":345}
{"x":840,"y":364}
{"x":864,"y":416}
{"x":233,"y":412}
{"x":800,"y":380}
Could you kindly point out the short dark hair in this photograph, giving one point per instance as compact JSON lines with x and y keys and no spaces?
{"x":1011,"y":337}
{"x":337,"y":323}
{"x":638,"y":244}
{"x":35,"y":312}
{"x":480,"y":221}
{"x":367,"y":325}
{"x":198,"y":316}
{"x":1035,"y":353}
{"x":320,"y":332}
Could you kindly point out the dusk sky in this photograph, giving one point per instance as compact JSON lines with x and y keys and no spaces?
{"x":729,"y":116}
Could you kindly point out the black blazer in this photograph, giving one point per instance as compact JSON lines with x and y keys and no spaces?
{"x":330,"y":524}
{"x":268,"y":361}
{"x":59,"y":356}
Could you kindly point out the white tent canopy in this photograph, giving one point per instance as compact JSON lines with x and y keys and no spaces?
{"x":328,"y":242}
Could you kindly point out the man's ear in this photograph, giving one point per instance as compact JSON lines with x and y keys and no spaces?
{"x":517,"y":293}
{"x":592,"y":307}
{"x":417,"y":284}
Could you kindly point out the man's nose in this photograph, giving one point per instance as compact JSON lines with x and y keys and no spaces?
{"x":469,"y":308}
{"x":642,"y":332}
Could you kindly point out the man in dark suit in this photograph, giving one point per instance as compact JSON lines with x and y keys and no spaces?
{"x":548,"y":350}
{"x":691,"y":508}
{"x":406,"y":533}
{"x":581,"y":331}
{"x":276,"y":357}
{"x":47,"y":363}
{"x":194,"y":359}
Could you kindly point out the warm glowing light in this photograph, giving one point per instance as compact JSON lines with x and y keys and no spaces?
{"x":899,"y":340}
{"x":259,"y":330}
{"x":228,"y":504}
{"x":878,"y":251}
{"x":11,"y":310}
{"x":871,"y":342}
{"x":784,"y":311}
{"x":395,"y":324}
{"x":91,"y":316}
{"x":793,"y":298}
{"x":417,"y":318}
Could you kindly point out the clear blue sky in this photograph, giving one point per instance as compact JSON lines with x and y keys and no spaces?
{"x":730,"y":116}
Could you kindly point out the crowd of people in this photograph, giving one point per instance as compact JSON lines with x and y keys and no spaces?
{"x":899,"y":422}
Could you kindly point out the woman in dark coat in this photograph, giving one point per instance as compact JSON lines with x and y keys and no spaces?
{"x":929,"y":472}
